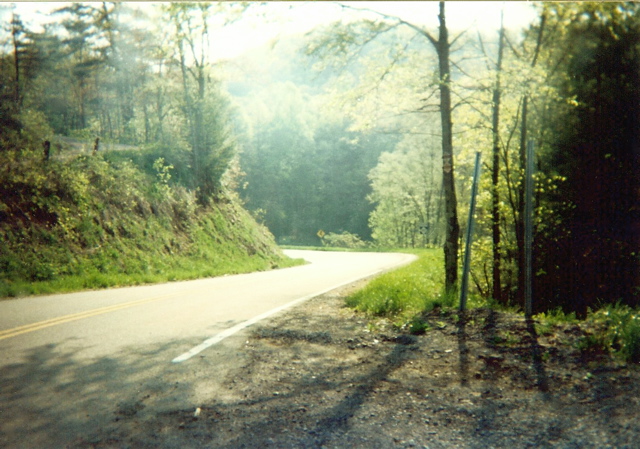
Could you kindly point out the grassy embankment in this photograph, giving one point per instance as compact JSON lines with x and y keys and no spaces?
{"x":405,"y":295}
{"x":89,"y":223}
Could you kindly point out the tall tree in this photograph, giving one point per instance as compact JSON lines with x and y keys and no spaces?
{"x":495,"y":171}
{"x":211,"y":145}
{"x":599,"y":152}
{"x":519,"y":224}
{"x":342,"y":40}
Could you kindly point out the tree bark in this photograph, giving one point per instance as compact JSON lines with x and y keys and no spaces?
{"x":519,"y":225}
{"x":450,"y":201}
{"x":495,"y":176}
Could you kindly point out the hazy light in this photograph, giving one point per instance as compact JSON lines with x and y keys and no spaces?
{"x":265,"y":22}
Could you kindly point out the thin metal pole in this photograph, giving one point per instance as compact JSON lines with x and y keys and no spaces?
{"x":467,"y":250}
{"x":528,"y":232}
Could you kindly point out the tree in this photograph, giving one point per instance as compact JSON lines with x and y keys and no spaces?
{"x":495,"y":171}
{"x":343,"y":39}
{"x":598,"y":151}
{"x":407,"y":193}
{"x":210,"y":141}
{"x":83,"y":49}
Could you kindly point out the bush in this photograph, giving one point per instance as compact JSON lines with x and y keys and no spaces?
{"x":344,"y":240}
{"x":621,"y":330}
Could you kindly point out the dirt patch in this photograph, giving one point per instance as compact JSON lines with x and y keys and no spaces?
{"x":321,"y":375}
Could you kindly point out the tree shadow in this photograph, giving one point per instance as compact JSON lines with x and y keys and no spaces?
{"x":338,"y":417}
{"x":303,"y":416}
{"x":55,"y":398}
{"x":537,"y":359}
{"x":463,"y":349}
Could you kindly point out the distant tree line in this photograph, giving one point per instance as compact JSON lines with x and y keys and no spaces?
{"x":101,"y":71}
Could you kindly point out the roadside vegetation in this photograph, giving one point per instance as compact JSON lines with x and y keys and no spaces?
{"x":163,"y":207}
{"x":412,"y":299}
{"x":405,"y":293}
{"x":350,"y":140}
{"x":90,"y":223}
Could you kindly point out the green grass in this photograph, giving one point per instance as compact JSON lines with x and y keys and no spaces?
{"x":89,"y":223}
{"x":407,"y":292}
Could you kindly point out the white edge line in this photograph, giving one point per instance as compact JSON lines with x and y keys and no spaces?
{"x":238,"y":327}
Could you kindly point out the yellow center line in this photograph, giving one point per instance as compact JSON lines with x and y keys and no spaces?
{"x":8,"y":333}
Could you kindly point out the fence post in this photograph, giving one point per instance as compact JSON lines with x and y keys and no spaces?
{"x":467,"y":251}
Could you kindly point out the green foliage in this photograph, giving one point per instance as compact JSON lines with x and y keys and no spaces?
{"x":343,"y":240}
{"x":305,"y":169}
{"x":407,"y":195}
{"x":405,"y":293}
{"x":614,"y":328}
{"x":90,"y":223}
{"x":591,"y":259}
{"x":618,"y":331}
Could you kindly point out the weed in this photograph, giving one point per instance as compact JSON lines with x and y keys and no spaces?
{"x":418,"y":326}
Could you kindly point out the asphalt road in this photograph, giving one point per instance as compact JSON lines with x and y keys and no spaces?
{"x":73,"y":364}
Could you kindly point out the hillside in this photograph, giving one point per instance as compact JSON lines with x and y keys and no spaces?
{"x":88,"y":222}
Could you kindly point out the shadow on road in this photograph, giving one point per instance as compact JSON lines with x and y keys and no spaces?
{"x":56,"y":399}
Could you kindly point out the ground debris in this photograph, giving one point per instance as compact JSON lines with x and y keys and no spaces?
{"x":316,"y":377}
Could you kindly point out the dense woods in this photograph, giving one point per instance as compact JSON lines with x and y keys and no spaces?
{"x":367,"y":125}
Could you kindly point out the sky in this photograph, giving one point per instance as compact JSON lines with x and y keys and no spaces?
{"x":277,"y":18}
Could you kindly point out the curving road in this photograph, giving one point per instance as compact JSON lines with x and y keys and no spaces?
{"x":70,"y":363}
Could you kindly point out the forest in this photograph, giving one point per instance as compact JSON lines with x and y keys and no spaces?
{"x":362,"y":131}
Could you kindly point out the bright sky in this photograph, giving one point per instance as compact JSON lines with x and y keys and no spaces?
{"x":279,"y":18}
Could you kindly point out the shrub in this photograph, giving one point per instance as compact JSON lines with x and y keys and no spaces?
{"x":344,"y":240}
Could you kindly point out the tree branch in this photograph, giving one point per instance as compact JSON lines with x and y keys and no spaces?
{"x":420,"y":30}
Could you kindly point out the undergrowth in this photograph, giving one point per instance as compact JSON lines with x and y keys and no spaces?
{"x":613,"y":329}
{"x":87,"y":222}
{"x":406,"y":294}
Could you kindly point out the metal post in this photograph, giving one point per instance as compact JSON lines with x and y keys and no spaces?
{"x":528,"y":232}
{"x":467,"y":250}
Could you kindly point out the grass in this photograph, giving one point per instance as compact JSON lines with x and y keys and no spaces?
{"x":619,"y":331}
{"x":181,"y":269}
{"x":404,"y":294}
{"x":90,"y":223}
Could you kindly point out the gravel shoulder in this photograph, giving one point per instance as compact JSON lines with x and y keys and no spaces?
{"x":321,"y":375}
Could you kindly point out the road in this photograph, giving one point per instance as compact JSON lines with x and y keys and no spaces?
{"x":76,"y":363}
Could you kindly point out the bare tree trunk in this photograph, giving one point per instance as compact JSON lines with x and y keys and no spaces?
{"x":523,"y":163}
{"x":450,"y":201}
{"x":16,"y":62}
{"x":495,"y":175}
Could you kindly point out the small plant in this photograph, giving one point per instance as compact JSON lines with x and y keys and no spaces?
{"x":505,"y":338}
{"x":593,"y":344}
{"x":418,"y":326}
